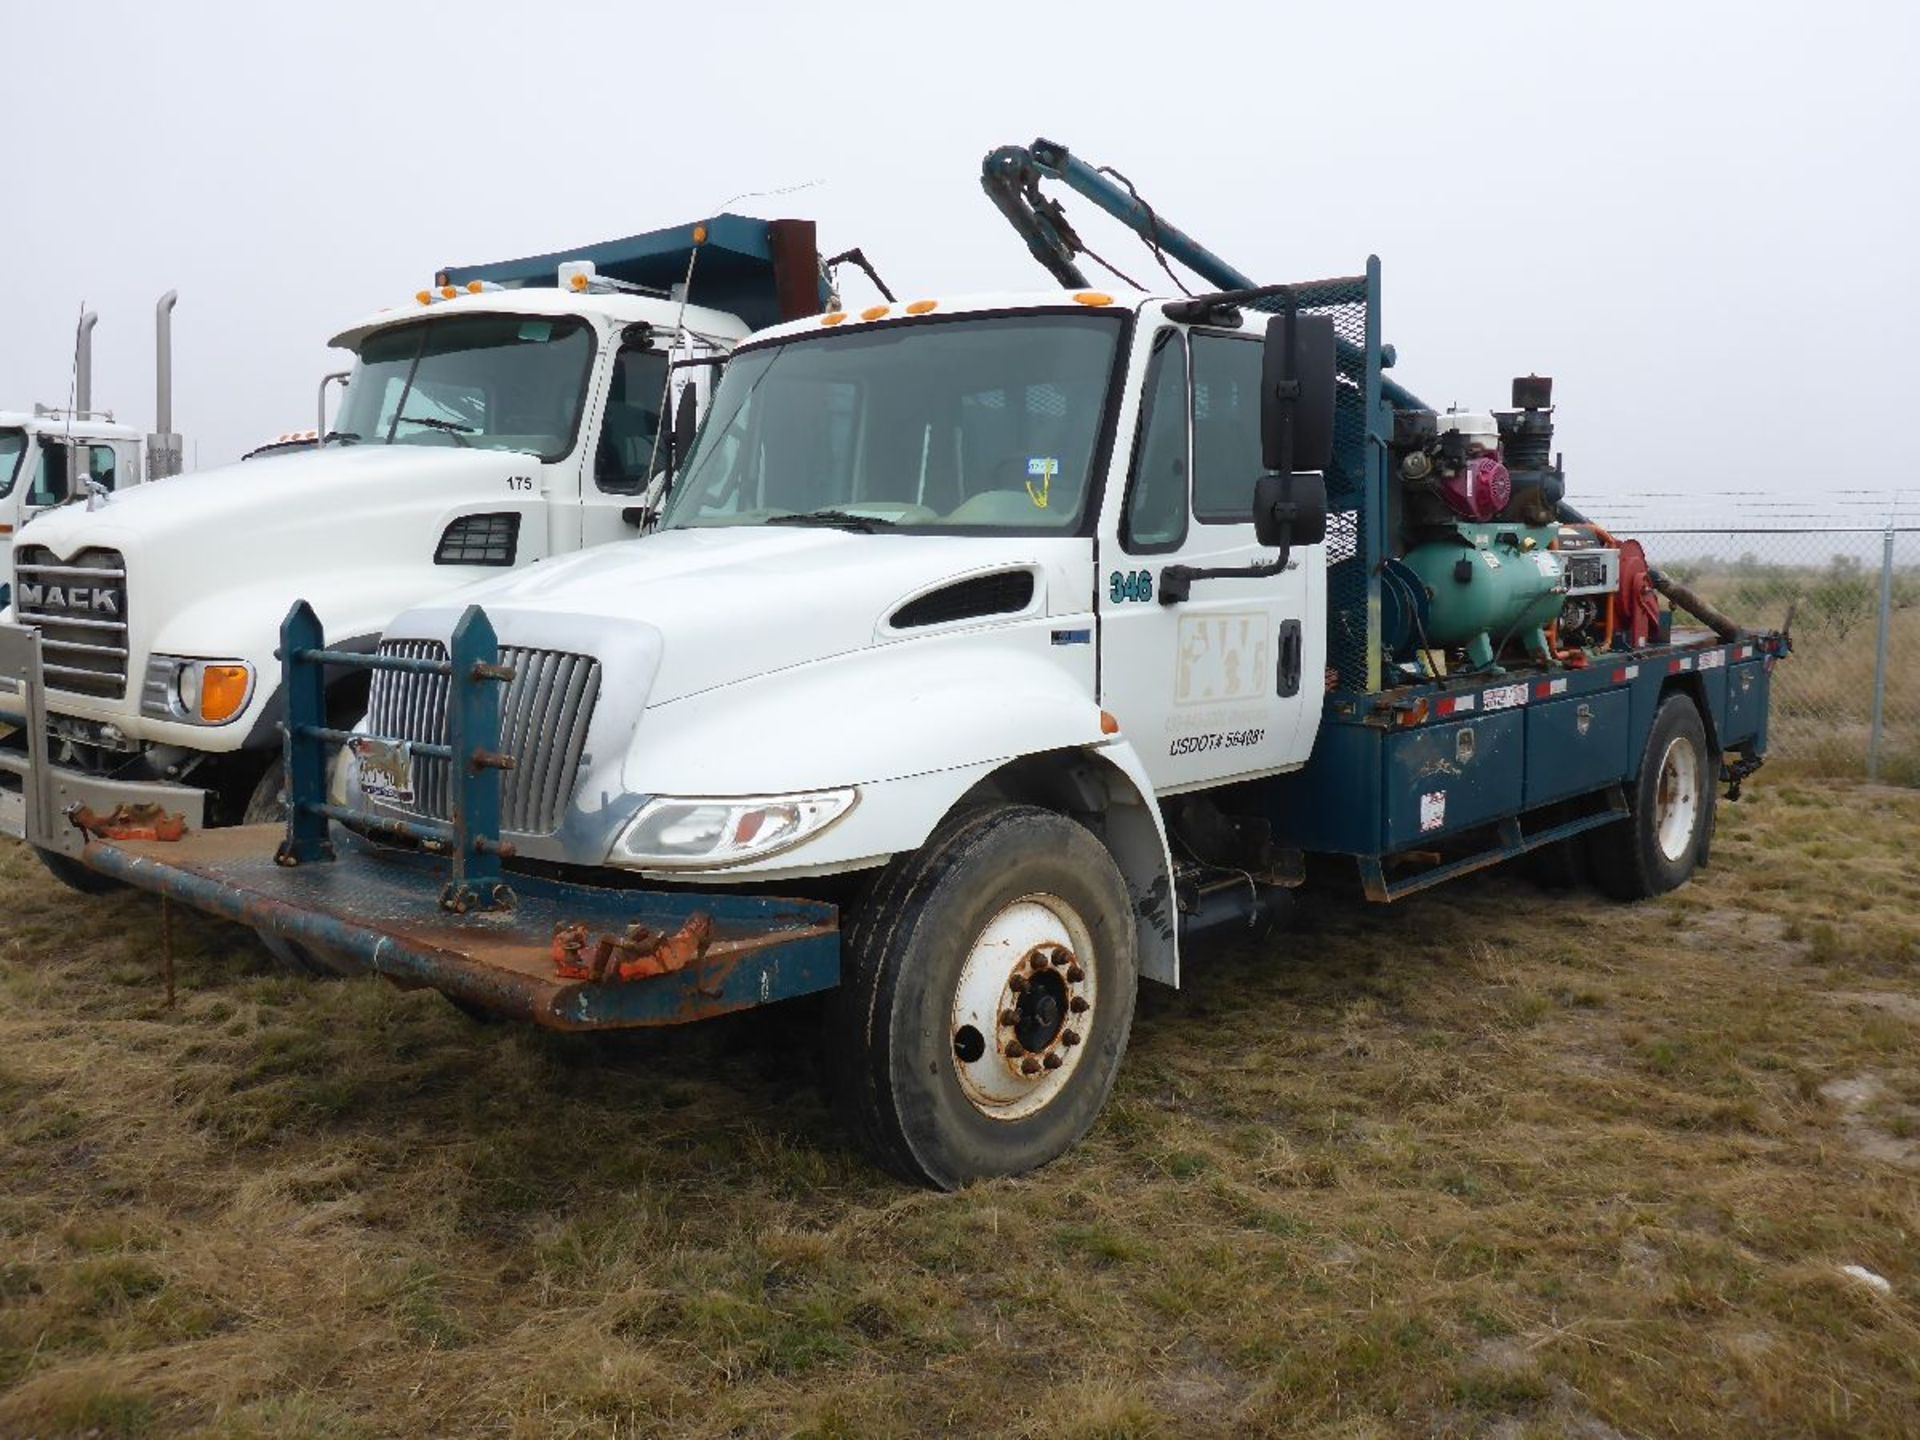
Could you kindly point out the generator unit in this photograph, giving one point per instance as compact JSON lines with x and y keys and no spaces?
{"x":1486,"y":564}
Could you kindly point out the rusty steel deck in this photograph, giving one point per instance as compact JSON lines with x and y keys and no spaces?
{"x":379,"y":910}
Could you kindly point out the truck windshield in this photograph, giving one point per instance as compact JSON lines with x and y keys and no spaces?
{"x":937,"y":425}
{"x":489,"y":382}
{"x":13,"y":444}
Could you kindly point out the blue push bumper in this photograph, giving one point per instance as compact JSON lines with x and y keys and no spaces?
{"x":379,"y":909}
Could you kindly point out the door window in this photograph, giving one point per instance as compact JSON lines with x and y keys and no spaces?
{"x":631,"y":446}
{"x":101,"y":465}
{"x":1156,"y":513}
{"x":50,"y":482}
{"x":1226,"y":428}
{"x":13,"y":446}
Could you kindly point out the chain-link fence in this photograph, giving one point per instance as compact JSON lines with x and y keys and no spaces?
{"x":1847,"y":702}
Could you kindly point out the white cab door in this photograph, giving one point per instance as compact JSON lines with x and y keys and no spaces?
{"x":624,"y":468}
{"x":1227,"y":682}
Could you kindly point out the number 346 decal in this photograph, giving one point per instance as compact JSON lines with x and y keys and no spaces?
{"x":1124,"y":585}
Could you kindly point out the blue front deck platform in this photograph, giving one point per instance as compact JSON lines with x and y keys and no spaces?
{"x":378,"y":909}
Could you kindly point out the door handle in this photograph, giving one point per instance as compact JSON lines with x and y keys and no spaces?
{"x":1287,"y":682}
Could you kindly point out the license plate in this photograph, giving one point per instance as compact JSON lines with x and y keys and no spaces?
{"x":384,"y":768}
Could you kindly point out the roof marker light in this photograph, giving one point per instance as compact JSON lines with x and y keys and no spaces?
{"x":1092,"y":297}
{"x":474,"y":287}
{"x":699,"y":234}
{"x":921,"y":307}
{"x":425,"y":297}
{"x":447,"y":292}
{"x":874,"y":312}
{"x":833,"y":317}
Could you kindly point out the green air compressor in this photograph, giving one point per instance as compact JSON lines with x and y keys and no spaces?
{"x":1484,"y":585}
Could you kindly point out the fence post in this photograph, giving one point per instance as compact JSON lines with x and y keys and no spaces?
{"x":1880,"y":655}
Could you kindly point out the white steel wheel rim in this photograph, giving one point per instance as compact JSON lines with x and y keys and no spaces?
{"x":1023,"y":1007}
{"x":1676,"y":802}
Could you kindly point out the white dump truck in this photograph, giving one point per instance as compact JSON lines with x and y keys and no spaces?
{"x":507,"y":413}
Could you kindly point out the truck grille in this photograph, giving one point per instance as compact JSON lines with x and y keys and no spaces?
{"x":79,"y":607}
{"x":543,"y":725}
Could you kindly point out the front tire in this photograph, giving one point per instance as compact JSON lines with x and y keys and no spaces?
{"x":1669,"y":814}
{"x":75,"y":876}
{"x":987,"y":997}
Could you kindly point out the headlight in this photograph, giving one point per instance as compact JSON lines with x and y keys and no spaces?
{"x":672,"y":832}
{"x":200,"y":692}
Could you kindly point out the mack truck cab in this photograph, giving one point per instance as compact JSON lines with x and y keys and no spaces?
{"x":44,"y":452}
{"x":55,"y":456}
{"x":507,"y":413}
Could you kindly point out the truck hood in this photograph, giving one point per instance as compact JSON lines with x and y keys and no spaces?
{"x":724,"y":604}
{"x":269,"y":503}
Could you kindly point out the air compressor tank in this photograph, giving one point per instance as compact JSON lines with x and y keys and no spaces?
{"x":1487,"y":585}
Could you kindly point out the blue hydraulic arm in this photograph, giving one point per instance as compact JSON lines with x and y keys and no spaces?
{"x":1011,"y":177}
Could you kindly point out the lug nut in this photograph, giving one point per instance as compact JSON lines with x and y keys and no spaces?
{"x":1039,"y":960}
{"x":1076,"y":974}
{"x":1017,"y":983}
{"x":1052,"y":1061}
{"x":1029,"y":1066}
{"x":1069,"y":1037}
{"x":1015,"y":1049}
{"x":1078,"y":1004}
{"x":1009,"y":1017}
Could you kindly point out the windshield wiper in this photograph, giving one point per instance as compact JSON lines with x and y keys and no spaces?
{"x":835,"y":519}
{"x":345,"y":437}
{"x":452,"y":427}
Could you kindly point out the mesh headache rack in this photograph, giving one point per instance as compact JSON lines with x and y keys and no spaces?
{"x":470,"y":833}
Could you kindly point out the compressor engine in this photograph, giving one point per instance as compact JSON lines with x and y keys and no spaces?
{"x":1486,"y":563}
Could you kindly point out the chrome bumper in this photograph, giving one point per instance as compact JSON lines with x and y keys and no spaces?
{"x":35,"y":795}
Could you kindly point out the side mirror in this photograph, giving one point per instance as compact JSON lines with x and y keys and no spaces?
{"x":686,"y":421}
{"x":1296,"y":394}
{"x":1290,"y":509}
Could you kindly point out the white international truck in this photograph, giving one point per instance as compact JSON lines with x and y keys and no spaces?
{"x":992,"y":655}
{"x":507,"y":413}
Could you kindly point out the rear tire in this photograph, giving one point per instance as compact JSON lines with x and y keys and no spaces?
{"x":1009,"y":930}
{"x":1669,"y":811}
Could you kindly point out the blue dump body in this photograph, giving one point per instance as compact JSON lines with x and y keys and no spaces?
{"x":743,"y":266}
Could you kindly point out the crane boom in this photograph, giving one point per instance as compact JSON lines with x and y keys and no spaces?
{"x":1011,"y":176}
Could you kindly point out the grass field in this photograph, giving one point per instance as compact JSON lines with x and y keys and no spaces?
{"x":1495,"y":1163}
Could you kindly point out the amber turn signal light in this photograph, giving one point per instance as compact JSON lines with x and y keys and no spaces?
{"x":223,"y":690}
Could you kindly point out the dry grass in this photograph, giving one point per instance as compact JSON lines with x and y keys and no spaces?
{"x":1495,"y":1163}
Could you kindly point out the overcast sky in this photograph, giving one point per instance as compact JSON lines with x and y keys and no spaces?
{"x":1699,"y":218}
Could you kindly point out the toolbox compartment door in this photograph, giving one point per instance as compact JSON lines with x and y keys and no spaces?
{"x":1443,"y":778}
{"x":1577,"y":745}
{"x":1746,"y":704}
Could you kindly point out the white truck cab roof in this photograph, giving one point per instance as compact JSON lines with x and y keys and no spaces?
{"x":56,"y":424}
{"x":616,"y":307}
{"x":987,"y":302}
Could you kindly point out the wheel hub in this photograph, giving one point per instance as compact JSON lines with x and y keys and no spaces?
{"x":1676,"y":801}
{"x":1022,"y":1007}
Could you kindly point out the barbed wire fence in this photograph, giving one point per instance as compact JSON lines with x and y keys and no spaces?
{"x":1846,"y":566}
